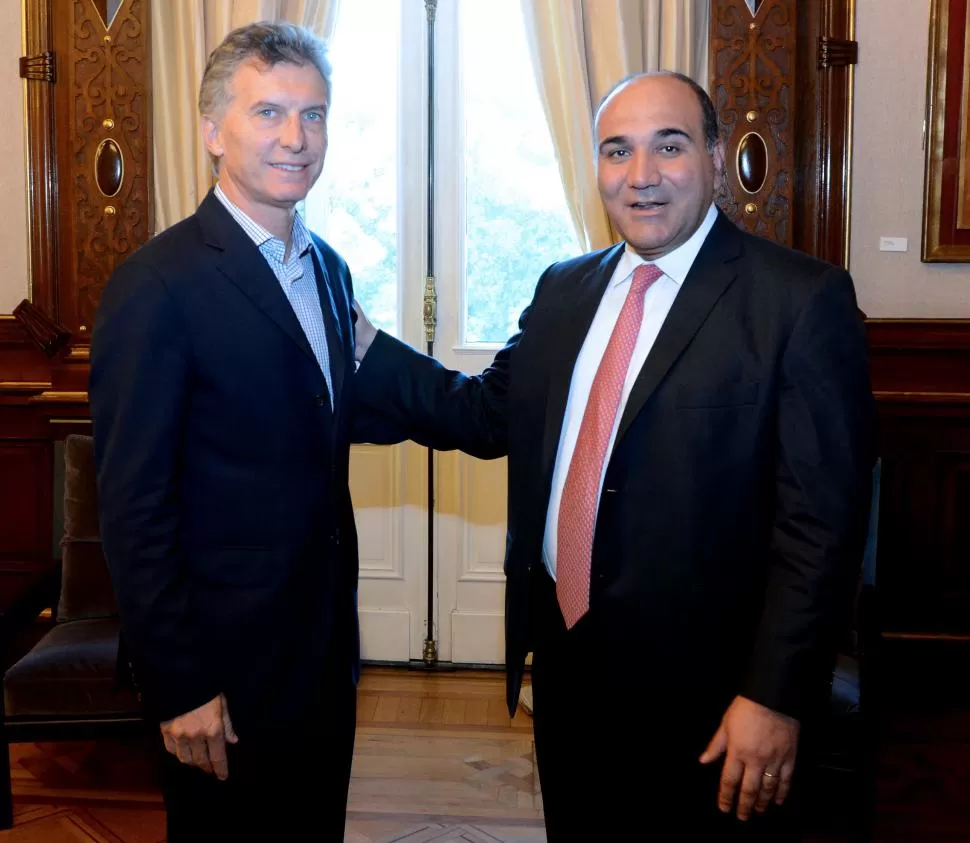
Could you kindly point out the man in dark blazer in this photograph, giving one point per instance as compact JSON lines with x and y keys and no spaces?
{"x":687,"y":422}
{"x":222,"y":382}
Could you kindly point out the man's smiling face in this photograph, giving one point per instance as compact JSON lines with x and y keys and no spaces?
{"x":654,"y":170}
{"x":270,"y":137}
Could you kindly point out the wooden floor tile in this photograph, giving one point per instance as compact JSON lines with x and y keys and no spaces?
{"x":437,"y":760}
{"x":52,"y":824}
{"x":384,"y":832}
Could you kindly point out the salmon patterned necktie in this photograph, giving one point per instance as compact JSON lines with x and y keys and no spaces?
{"x":577,"y":509}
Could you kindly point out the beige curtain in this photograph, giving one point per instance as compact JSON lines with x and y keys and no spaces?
{"x":184,"y":32}
{"x":580,"y":49}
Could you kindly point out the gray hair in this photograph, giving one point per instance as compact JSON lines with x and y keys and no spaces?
{"x":708,"y":112}
{"x":268,"y":44}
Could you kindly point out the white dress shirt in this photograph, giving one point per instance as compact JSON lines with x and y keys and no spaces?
{"x":657,"y":302}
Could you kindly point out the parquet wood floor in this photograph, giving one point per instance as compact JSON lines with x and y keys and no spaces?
{"x":437,"y":759}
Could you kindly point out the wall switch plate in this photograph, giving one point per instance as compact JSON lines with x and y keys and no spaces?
{"x":893,"y":244}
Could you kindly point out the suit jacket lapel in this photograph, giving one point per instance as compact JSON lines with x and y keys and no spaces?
{"x":331,"y":323}
{"x":578,"y":310}
{"x":243,"y":264}
{"x":710,"y":275}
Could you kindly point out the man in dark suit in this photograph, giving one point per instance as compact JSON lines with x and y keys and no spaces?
{"x":687,"y":418}
{"x":222,"y":380}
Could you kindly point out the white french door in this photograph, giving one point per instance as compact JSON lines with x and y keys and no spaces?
{"x":499,"y":218}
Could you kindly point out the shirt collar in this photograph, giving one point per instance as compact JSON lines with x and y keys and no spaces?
{"x":299,"y":235}
{"x":675,"y":264}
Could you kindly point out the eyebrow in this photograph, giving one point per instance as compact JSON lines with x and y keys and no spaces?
{"x":620,"y":140}
{"x":259,"y":106}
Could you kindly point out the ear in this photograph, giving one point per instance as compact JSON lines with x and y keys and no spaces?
{"x":717,"y":156}
{"x":212,"y":137}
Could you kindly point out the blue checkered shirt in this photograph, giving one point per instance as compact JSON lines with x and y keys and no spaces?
{"x":296,"y":275}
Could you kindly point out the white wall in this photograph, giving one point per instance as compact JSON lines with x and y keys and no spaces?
{"x":13,"y":185}
{"x":887,"y":168}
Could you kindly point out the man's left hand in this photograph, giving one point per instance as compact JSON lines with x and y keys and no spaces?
{"x":760,"y":744}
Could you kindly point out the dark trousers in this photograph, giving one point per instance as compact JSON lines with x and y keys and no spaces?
{"x":293,"y":787}
{"x":617,"y":750}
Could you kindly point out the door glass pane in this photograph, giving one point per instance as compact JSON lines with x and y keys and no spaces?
{"x":354,"y":204}
{"x":516,"y":218}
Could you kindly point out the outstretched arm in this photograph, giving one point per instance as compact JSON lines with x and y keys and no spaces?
{"x":439,"y":407}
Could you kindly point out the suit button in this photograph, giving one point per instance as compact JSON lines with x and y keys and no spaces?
{"x":320,"y":400}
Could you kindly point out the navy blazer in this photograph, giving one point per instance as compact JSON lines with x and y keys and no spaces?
{"x":733,"y":514}
{"x":222,"y":470}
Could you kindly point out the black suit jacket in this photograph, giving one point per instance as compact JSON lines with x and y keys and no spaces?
{"x":732,"y":519}
{"x":222,"y":475}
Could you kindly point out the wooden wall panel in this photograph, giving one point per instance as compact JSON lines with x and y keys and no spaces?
{"x":90,"y":205}
{"x":26,"y":476}
{"x":103,"y":112}
{"x":20,"y":362}
{"x":753,"y":88}
{"x":920,"y":373}
{"x":781,"y":80}
{"x":920,"y":360}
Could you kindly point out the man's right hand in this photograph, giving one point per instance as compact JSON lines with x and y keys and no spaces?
{"x":199,"y":737}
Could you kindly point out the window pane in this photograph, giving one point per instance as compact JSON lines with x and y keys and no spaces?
{"x":354,"y":205}
{"x":516,"y":218}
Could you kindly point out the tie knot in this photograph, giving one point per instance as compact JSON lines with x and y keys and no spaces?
{"x":644,"y":275}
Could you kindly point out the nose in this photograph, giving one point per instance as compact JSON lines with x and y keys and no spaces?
{"x":294,"y":133}
{"x":643,"y":171}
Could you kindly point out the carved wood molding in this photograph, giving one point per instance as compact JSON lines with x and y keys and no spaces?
{"x":781,"y":79}
{"x":952,"y":335}
{"x":752,"y":85}
{"x":60,"y":397}
{"x":89,"y":150}
{"x":921,"y":367}
{"x":108,"y":156}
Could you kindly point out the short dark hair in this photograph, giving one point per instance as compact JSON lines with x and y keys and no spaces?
{"x":708,"y":112}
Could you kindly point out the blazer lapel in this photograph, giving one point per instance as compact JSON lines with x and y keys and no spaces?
{"x":331,"y":323}
{"x":711,"y":274}
{"x":243,"y":264}
{"x":578,"y":311}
